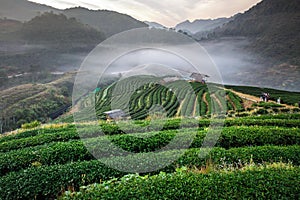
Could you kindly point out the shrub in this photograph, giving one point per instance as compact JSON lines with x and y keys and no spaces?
{"x":61,"y":153}
{"x":261,"y":112}
{"x":31,"y":125}
{"x":268,"y":105}
{"x":296,"y":110}
{"x":267,"y":183}
{"x":285,"y":110}
{"x":48,"y":181}
{"x":242,"y":114}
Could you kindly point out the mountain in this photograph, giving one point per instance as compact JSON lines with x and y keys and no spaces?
{"x":201,"y":25}
{"x":58,"y":29}
{"x":50,"y":41}
{"x":273,"y":27}
{"x":109,"y":22}
{"x":59,"y":39}
{"x":155,"y":25}
{"x":22,"y":10}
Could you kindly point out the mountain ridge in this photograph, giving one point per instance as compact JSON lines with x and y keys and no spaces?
{"x":273,"y":26}
{"x":23,"y":10}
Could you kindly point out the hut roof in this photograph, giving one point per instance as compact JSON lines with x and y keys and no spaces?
{"x":115,"y":113}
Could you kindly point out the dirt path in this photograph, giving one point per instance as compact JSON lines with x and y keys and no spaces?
{"x":195,"y":106}
{"x":179,"y":109}
{"x":250,"y":98}
{"x":217,"y":100}
{"x":205,"y":101}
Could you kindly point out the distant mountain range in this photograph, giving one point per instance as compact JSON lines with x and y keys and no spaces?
{"x":201,"y":25}
{"x":273,"y":27}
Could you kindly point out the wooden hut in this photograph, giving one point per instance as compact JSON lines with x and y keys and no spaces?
{"x":197,"y":77}
{"x":115,"y":114}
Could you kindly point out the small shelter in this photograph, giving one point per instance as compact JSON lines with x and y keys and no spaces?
{"x":115,"y":114}
{"x":197,"y":77}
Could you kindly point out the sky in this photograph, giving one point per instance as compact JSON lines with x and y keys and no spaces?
{"x":166,"y":12}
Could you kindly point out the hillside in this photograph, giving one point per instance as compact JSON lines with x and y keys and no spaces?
{"x":183,"y":99}
{"x":29,"y":102}
{"x":273,"y":26}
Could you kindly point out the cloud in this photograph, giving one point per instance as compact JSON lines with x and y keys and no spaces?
{"x":166,"y":12}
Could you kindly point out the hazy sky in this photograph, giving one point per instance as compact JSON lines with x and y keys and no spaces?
{"x":166,"y":12}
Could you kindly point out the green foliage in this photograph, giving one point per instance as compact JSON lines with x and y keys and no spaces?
{"x":266,"y":183}
{"x":38,"y":131}
{"x":31,"y":125}
{"x":230,"y":137}
{"x":42,"y":163}
{"x":40,"y":139}
{"x":262,"y":112}
{"x":47,"y":181}
{"x":237,"y":101}
{"x":268,"y":105}
{"x":180,"y":101}
{"x":51,"y":154}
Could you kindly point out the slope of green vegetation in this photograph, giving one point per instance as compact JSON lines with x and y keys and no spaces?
{"x":178,"y":98}
{"x":286,"y":97}
{"x":181,"y":98}
{"x":45,"y":162}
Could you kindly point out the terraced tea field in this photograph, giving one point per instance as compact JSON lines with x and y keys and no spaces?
{"x":178,"y":98}
{"x":253,"y":155}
